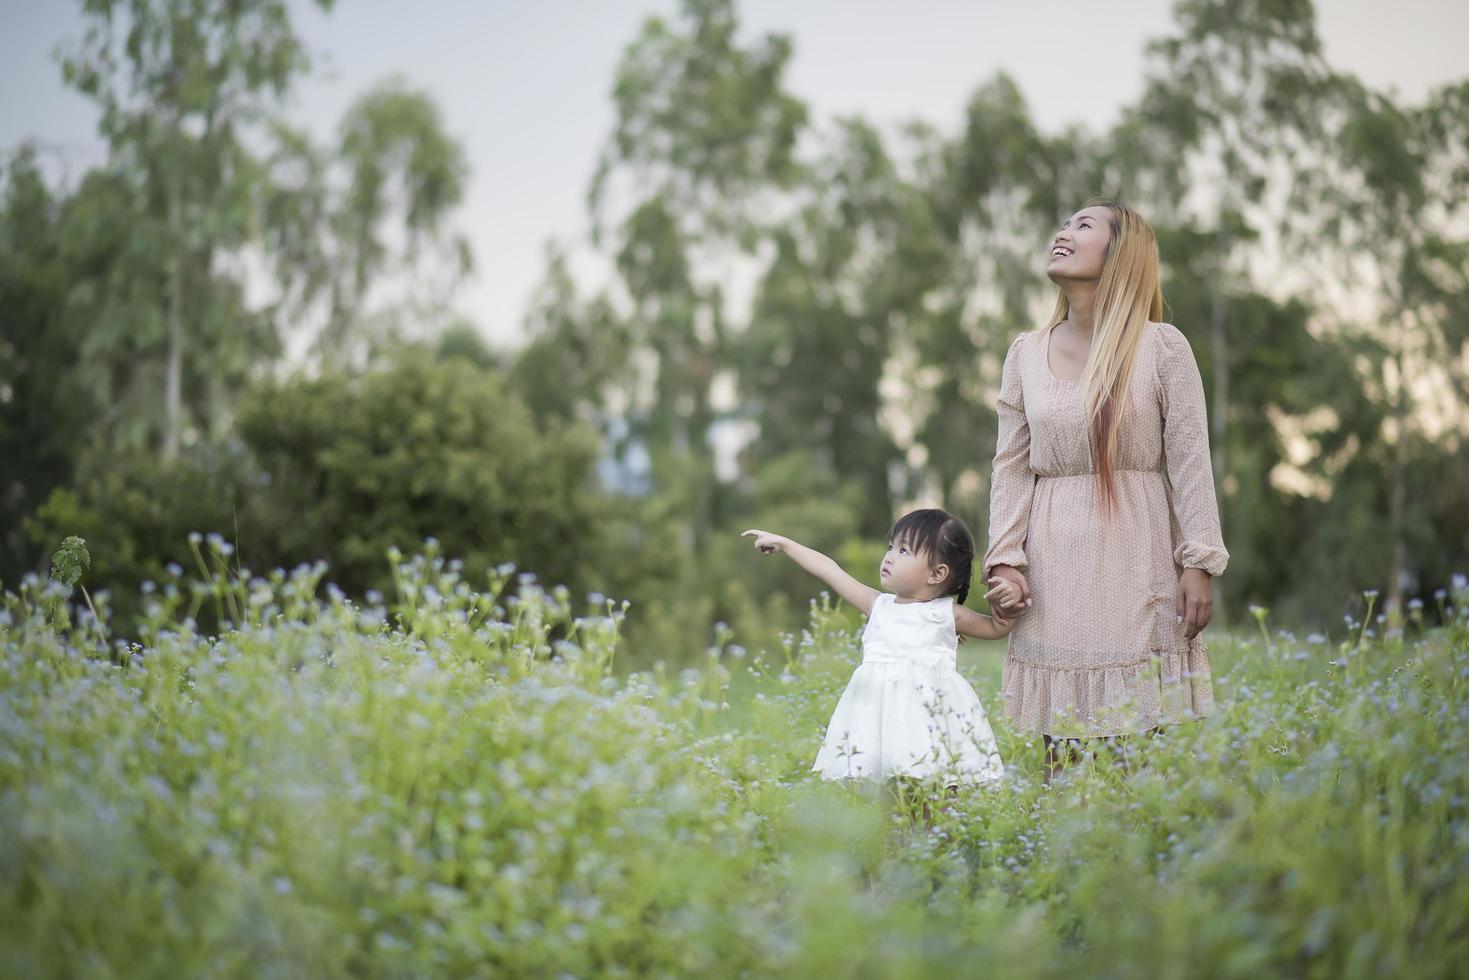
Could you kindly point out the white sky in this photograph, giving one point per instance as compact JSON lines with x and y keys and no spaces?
{"x":526,"y":85}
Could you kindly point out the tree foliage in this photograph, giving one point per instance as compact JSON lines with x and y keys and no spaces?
{"x":802,"y":319}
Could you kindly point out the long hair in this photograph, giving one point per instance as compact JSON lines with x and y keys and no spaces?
{"x":1129,"y":294}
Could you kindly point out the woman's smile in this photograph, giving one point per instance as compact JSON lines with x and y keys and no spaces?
{"x":1079,"y":248}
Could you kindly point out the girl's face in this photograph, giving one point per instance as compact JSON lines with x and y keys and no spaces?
{"x":1079,"y":248}
{"x":905,"y":571}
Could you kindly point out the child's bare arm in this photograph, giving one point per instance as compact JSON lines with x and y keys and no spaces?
{"x":824,"y":568}
{"x":970,"y":623}
{"x":992,"y":627}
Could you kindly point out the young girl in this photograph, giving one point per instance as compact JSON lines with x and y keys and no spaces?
{"x":907,"y":710}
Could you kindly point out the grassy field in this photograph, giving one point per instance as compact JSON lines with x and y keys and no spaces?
{"x":480,"y":790}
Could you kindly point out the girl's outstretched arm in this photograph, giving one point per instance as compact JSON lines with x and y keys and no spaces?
{"x":824,"y":568}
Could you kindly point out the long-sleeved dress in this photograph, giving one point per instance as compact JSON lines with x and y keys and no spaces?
{"x":1100,"y":651}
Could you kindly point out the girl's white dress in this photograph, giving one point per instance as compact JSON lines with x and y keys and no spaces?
{"x":907,"y":710}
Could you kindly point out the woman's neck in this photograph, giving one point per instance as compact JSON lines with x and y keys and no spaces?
{"x":1081,"y":298}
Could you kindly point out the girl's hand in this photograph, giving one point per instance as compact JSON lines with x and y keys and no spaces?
{"x":1015,"y":581}
{"x":1195,"y":601}
{"x":1002,"y":594}
{"x":767,"y":543}
{"x":813,"y":561}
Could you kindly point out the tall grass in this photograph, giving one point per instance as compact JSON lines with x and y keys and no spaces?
{"x":457,"y":780}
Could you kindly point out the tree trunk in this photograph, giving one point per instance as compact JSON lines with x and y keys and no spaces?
{"x":1219,"y":348}
{"x":1397,"y":564}
{"x":173,"y":384}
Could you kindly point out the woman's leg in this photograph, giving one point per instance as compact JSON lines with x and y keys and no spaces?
{"x":1059,"y":752}
{"x":1151,"y":733}
{"x":1123,"y":747}
{"x":1062,"y":751}
{"x":1117,"y":746}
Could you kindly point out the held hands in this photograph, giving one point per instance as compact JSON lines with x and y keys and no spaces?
{"x":1009,"y":595}
{"x":1003,"y":595}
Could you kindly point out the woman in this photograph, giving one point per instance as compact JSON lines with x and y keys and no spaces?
{"x":1113,"y":559}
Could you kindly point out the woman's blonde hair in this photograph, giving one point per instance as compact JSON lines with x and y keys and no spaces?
{"x":1129,"y":294}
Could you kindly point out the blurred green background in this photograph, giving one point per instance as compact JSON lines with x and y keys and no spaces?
{"x":799,"y":324}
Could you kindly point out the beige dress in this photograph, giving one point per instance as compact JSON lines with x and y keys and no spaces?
{"x":1100,"y":651}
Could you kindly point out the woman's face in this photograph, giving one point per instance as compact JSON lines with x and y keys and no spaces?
{"x":1079,"y":248}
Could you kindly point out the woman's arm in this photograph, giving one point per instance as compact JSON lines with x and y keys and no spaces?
{"x":1012,"y":481}
{"x":1200,"y":549}
{"x":824,"y":568}
{"x":970,"y":623}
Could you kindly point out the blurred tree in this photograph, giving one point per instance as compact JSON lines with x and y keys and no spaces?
{"x":1396,"y":201}
{"x":1233,"y":99}
{"x":677,"y":596}
{"x":705,"y":137}
{"x":343,"y":467}
{"x":812,"y":359}
{"x":204,"y":177}
{"x":576,"y":354}
{"x":134,"y":283}
{"x":137,"y":512}
{"x":699,"y":168}
{"x":1282,"y":371}
{"x":703,"y":124}
{"x":1311,"y":232}
{"x":183,"y":87}
{"x":991,"y":192}
{"x":463,"y":339}
{"x":47,"y":407}
{"x":421,"y":447}
{"x":334,"y":214}
{"x":1323,"y":187}
{"x":703,"y":149}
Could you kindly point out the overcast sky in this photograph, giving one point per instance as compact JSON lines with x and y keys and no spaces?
{"x":525,"y":85}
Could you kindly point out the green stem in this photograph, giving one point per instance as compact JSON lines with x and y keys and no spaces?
{"x":1361,"y":634}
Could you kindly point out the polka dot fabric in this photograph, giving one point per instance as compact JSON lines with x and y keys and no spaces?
{"x":1100,"y":651}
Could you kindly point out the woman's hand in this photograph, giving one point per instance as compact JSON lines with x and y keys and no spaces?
{"x":1012,"y":596}
{"x":1195,"y":600}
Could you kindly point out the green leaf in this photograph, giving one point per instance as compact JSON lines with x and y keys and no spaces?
{"x":70,"y":560}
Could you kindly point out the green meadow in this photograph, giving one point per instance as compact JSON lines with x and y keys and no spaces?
{"x":459,"y":778}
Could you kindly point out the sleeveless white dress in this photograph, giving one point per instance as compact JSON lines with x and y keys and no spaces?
{"x":907,"y":710}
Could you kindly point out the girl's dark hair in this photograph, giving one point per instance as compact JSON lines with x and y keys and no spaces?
{"x":945,"y":540}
